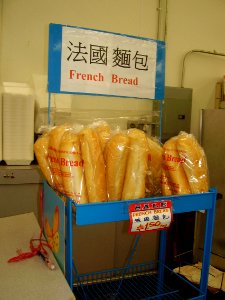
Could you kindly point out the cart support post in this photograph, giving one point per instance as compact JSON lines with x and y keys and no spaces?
{"x":162,"y":254}
{"x":69,"y":239}
{"x":207,"y":246}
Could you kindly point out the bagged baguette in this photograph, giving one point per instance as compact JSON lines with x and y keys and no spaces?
{"x":165,"y":184}
{"x":195,"y":163}
{"x":154,"y":172}
{"x":72,"y":167}
{"x":137,"y":164}
{"x":41,"y":153}
{"x":116,"y":154}
{"x":103,"y":130}
{"x":94,"y":166}
{"x":173,"y":165}
{"x":55,"y":136}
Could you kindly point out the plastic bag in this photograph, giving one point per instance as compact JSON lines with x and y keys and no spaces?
{"x":41,"y":153}
{"x":154,"y":171}
{"x":72,"y":167}
{"x":184,"y":166}
{"x":96,"y":163}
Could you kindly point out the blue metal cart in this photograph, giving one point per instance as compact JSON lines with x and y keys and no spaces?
{"x":148,"y":281}
{"x":131,"y":282}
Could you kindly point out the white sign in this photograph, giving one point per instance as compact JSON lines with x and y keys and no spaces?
{"x":102,"y":63}
{"x":88,"y":61}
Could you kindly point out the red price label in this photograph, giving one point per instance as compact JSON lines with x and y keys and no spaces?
{"x":150,"y":216}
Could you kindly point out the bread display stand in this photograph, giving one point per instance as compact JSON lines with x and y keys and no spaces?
{"x":95,"y":213}
{"x":153,"y":280}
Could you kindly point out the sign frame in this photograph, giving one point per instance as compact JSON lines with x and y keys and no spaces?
{"x":55,"y":69}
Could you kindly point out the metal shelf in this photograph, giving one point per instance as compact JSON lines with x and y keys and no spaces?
{"x":140,"y":282}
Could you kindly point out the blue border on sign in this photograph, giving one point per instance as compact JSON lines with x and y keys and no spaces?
{"x":160,"y":72}
{"x":54,"y":62}
{"x":54,"y":57}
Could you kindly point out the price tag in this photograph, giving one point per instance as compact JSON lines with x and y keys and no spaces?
{"x":150,"y":216}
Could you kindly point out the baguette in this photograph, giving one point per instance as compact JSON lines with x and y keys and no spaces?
{"x":153,"y":177}
{"x":71,"y":165}
{"x":173,"y":164}
{"x":94,"y":166}
{"x":55,"y":136}
{"x":195,"y":165}
{"x":166,"y":186}
{"x":41,"y":153}
{"x":137,"y":164}
{"x":116,"y":153}
{"x":103,"y":132}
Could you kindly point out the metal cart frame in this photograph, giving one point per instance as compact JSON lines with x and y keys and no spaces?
{"x":95,"y":213}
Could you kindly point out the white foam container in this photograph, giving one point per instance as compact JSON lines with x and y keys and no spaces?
{"x":18,"y":123}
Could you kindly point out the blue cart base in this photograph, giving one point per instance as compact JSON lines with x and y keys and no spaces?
{"x":137,"y":282}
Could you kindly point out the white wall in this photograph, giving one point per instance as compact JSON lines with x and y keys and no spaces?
{"x":196,"y":25}
{"x":190,"y":25}
{"x":1,"y":12}
{"x":25,"y":35}
{"x":0,"y":82}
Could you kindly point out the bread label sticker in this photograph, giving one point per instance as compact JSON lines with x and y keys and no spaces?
{"x":150,"y":216}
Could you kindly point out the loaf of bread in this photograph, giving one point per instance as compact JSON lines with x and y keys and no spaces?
{"x":173,"y":165}
{"x":153,"y":177}
{"x":104,"y":133}
{"x":165,"y":184}
{"x":41,"y":153}
{"x":55,"y":136}
{"x":72,"y":167}
{"x":195,"y":163}
{"x":116,"y":153}
{"x":94,"y":166}
{"x":137,"y":164}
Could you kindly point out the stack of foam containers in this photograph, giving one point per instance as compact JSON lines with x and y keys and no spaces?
{"x":18,"y":123}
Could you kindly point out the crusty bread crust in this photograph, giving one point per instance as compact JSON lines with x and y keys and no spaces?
{"x":104,"y":133}
{"x":116,"y":153}
{"x":195,"y":165}
{"x":166,"y":190}
{"x":173,"y":164}
{"x":55,"y":136}
{"x":154,"y":172}
{"x":71,"y":165}
{"x":94,"y":166}
{"x":137,"y":164}
{"x":41,"y":153}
